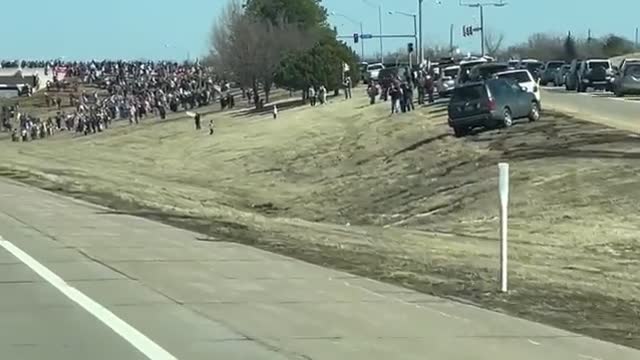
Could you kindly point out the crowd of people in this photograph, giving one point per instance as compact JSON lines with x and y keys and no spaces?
{"x":130,"y":90}
{"x":400,"y":90}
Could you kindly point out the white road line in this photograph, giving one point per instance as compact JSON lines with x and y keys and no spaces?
{"x":138,"y":340}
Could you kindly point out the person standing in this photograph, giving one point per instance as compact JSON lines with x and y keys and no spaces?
{"x":347,"y":87}
{"x":394,"y":94}
{"x":312,"y":95}
{"x":197,"y":121}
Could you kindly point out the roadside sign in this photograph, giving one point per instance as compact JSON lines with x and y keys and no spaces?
{"x":366,"y":36}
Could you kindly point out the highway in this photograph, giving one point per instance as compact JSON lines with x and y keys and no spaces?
{"x":82,"y":282}
{"x":601,"y":107}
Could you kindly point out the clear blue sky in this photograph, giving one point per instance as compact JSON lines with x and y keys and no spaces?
{"x":85,"y":29}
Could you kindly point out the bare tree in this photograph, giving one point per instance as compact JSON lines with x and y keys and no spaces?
{"x":251,"y":49}
{"x":493,"y":42}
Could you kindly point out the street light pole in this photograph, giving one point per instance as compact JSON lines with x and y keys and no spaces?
{"x":379,"y":5}
{"x":361,"y":43}
{"x":415,"y":30}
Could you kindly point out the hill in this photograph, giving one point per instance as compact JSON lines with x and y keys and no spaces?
{"x":395,"y":198}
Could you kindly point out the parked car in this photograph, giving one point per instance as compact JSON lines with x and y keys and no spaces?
{"x":560,"y":75}
{"x":524,"y":79}
{"x":373,"y":70}
{"x":533,"y":66}
{"x":549,"y":71}
{"x":362,"y":68}
{"x":447,"y":80}
{"x":486,"y":71}
{"x":571,"y":78}
{"x":596,"y":74}
{"x":514,"y":63}
{"x":625,"y":62}
{"x":492,"y":103}
{"x":465,"y":68}
{"x":628,"y":81}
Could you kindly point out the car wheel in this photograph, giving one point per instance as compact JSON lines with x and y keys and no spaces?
{"x":534,"y":112}
{"x":460,"y":131}
{"x":507,"y":118}
{"x":618,"y":93}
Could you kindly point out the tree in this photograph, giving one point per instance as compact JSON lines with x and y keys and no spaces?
{"x":569,"y":46}
{"x":250,"y":49}
{"x":493,"y":42}
{"x":305,"y":13}
{"x":614,"y":45}
{"x":322,"y":63}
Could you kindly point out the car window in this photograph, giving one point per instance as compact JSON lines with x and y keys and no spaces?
{"x":451,"y":72}
{"x":468,"y":93}
{"x":520,"y":76}
{"x":374,"y":67}
{"x":633,"y":70}
{"x":598,"y":64}
{"x":554,"y":65}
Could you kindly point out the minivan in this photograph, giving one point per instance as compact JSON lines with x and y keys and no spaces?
{"x":490,"y":104}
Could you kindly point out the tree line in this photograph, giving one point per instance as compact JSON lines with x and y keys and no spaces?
{"x":285,"y":43}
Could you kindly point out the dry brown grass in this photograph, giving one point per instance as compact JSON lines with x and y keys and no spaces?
{"x":421,"y":205}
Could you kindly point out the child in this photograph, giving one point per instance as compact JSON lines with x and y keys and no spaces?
{"x":211,"y":126}
{"x":275,"y":111}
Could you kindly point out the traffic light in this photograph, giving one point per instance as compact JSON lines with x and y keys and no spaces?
{"x":356,"y":37}
{"x":410,"y":47}
{"x":467,"y":30}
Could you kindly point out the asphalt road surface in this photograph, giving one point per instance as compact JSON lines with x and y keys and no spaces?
{"x":597,"y":106}
{"x":82,"y":282}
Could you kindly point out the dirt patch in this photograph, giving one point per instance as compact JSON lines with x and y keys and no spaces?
{"x":392,"y":198}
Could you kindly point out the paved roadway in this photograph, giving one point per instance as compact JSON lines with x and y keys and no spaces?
{"x":598,"y":106}
{"x":80,"y":282}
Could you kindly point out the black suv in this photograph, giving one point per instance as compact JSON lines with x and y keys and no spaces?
{"x":492,"y":103}
{"x":596,"y":74}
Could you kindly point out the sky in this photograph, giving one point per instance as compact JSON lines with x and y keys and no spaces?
{"x":159,"y":29}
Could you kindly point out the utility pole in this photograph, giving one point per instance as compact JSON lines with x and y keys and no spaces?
{"x":589,"y":35}
{"x":420,"y":40}
{"x":380,"y":26}
{"x":451,"y":40}
{"x":481,"y":6}
{"x":636,"y":38}
{"x":481,"y":30}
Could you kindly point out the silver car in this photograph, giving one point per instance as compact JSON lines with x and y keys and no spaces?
{"x":561,"y":74}
{"x":447,"y":80}
{"x":628,"y":81}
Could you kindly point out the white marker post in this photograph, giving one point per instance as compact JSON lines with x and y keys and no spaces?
{"x":503,"y":186}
